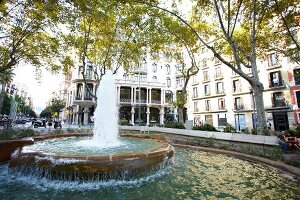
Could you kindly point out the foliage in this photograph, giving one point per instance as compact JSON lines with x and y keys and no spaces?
{"x":295,"y":131}
{"x":53,"y":109}
{"x":124,"y":122}
{"x":17,"y":133}
{"x":205,"y":127}
{"x":254,"y":131}
{"x":70,"y":130}
{"x":245,"y":130}
{"x":46,"y":113}
{"x":174,"y":125}
{"x":6,"y":105}
{"x":229,"y":129}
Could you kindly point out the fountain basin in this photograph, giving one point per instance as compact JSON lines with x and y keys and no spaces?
{"x":7,"y":147}
{"x":91,"y":165}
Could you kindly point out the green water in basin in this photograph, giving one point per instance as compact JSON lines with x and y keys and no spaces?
{"x":85,"y":146}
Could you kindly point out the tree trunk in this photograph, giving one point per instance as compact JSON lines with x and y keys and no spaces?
{"x":180,"y":115}
{"x":261,"y":118}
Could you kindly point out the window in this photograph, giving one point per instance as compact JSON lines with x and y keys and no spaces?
{"x":125,"y":94}
{"x":144,"y":65}
{"x":80,"y":69}
{"x":217,"y":61}
{"x":125,"y":77}
{"x":195,"y":80}
{"x":178,"y":81}
{"x":154,"y":67}
{"x":89,"y":72}
{"x":143,"y":77}
{"x":219,"y":88}
{"x":196,"y":106}
{"x":236,"y":86}
{"x":221,"y":104}
{"x":206,"y":90}
{"x":154,"y":79}
{"x":168,"y":96}
{"x":178,"y":68}
{"x":87,"y":95}
{"x":207,"y":105}
{"x":238,"y":105}
{"x":278,"y":99}
{"x":209,"y":119}
{"x":275,"y":79}
{"x":168,"y":68}
{"x":218,"y":72}
{"x":205,"y":76}
{"x":195,"y":92}
{"x":297,"y":95}
{"x":297,"y":76}
{"x":272,"y":59}
{"x":168,"y":82}
{"x":204,"y":63}
{"x":79,"y":91}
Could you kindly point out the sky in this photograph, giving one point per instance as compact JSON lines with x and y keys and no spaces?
{"x":40,"y":91}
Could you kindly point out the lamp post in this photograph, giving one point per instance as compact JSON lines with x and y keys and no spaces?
{"x":139,"y":94}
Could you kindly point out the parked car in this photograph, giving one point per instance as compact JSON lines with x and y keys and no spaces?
{"x":39,"y":123}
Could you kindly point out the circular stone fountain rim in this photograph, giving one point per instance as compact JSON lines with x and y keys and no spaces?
{"x":164,"y":149}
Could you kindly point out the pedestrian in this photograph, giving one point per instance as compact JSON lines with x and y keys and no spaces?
{"x":49,"y":123}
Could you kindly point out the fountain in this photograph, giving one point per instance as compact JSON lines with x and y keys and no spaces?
{"x":132,"y":168}
{"x":104,"y":156}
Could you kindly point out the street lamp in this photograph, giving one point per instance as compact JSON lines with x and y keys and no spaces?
{"x":139,"y":94}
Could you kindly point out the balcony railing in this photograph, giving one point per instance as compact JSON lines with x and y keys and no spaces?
{"x":123,"y":100}
{"x":279,"y":103}
{"x":88,"y":98}
{"x":156,"y":101}
{"x":78,"y":98}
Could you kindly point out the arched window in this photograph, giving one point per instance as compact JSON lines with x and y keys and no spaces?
{"x":168,"y":68}
{"x":154,"y":67}
{"x":168,"y":82}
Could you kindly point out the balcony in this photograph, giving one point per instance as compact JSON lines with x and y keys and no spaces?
{"x":279,"y":103}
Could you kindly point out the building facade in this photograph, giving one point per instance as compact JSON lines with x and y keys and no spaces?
{"x":220,"y":97}
{"x":145,"y":93}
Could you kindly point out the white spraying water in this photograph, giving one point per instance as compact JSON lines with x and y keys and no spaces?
{"x":106,"y":114}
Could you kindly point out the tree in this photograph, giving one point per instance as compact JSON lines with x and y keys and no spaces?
{"x":25,"y":35}
{"x":53,"y":109}
{"x":6,"y":105}
{"x":46,"y":113}
{"x":6,"y":76}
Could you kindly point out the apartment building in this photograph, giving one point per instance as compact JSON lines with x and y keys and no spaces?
{"x":221,"y":97}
